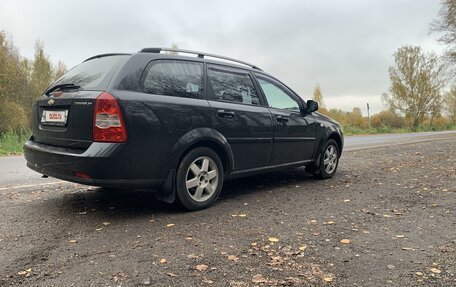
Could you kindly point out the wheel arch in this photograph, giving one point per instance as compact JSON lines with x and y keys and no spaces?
{"x":331,"y":134}
{"x":338,"y":139}
{"x":204,"y":137}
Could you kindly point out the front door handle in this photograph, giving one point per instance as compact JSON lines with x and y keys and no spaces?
{"x":225,"y":114}
{"x":282,"y":119}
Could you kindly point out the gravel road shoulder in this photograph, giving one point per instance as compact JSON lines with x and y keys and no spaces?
{"x":388,"y":218}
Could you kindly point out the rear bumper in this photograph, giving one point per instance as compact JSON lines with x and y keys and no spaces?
{"x":104,"y":163}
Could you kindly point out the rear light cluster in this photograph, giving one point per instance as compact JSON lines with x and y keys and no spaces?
{"x":108,"y":124}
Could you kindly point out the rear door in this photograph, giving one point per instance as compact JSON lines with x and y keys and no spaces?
{"x":294,"y":132}
{"x":238,"y":112}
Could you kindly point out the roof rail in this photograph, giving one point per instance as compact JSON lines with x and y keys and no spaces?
{"x":200,"y":55}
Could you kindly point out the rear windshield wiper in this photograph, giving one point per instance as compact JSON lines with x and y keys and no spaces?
{"x":62,"y":87}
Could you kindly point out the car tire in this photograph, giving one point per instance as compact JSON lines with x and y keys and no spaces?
{"x":329,"y":160}
{"x":199,"y":179}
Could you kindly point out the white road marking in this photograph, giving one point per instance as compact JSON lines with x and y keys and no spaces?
{"x":30,"y":185}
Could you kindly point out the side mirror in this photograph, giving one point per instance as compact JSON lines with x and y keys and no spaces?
{"x":311,"y":106}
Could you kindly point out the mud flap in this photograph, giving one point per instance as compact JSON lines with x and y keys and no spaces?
{"x":167,"y":192}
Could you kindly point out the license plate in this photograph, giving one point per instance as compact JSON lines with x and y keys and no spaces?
{"x":54,"y":117}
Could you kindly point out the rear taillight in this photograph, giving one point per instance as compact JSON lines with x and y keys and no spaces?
{"x":108,"y":124}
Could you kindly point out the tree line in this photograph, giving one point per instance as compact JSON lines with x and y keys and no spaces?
{"x":21,"y":81}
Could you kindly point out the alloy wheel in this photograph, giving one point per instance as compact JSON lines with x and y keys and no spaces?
{"x":202,"y":179}
{"x":330,"y":159}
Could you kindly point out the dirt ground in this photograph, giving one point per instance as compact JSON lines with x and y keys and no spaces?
{"x":388,"y":218}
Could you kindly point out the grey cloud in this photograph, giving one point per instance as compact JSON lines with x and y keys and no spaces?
{"x":345,"y":46}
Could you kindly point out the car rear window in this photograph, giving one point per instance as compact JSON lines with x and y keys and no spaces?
{"x":94,"y":73}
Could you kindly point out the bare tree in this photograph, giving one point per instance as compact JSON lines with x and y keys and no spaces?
{"x":416,"y":83}
{"x":447,"y":26}
{"x":59,"y":70}
{"x":173,"y":46}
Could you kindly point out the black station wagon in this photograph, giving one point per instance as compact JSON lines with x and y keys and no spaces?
{"x":180,"y":125}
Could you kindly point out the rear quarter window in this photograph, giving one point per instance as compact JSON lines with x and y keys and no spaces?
{"x":174,"y":78}
{"x":93,"y":74}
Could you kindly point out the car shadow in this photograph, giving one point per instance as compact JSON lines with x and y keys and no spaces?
{"x":263,"y":182}
{"x":131,"y":203}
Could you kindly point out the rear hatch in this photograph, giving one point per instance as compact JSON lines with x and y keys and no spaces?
{"x":63,"y":115}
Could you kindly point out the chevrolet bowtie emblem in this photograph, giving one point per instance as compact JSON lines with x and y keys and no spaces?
{"x":51,"y":102}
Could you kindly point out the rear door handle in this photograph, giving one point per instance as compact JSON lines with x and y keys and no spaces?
{"x":282,"y":119}
{"x":225,"y":114}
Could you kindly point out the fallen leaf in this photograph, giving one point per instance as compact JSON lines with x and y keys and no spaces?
{"x":73,"y":241}
{"x":201,"y":267}
{"x":329,"y":222}
{"x":273,"y":239}
{"x":163,"y":261}
{"x":407,"y":249}
{"x":233,"y":258}
{"x":22,"y":273}
{"x":303,"y":248}
{"x":435,"y":270}
{"x":82,"y":213}
{"x":171,"y":274}
{"x":419,"y":273}
{"x":328,"y":279}
{"x":345,"y":241}
{"x":242,"y":215}
{"x":253,"y":244}
{"x":106,"y":223}
{"x":276,"y":260}
{"x":386,"y":215}
{"x":347,"y":200}
{"x":259,"y":279}
{"x":99,"y":229}
{"x":170,"y":225}
{"x":207,"y":281}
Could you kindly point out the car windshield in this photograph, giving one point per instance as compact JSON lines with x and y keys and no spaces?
{"x":92,"y":74}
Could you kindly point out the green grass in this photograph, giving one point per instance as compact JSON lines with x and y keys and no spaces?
{"x":11,"y":143}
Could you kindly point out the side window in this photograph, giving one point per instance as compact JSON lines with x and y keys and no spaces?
{"x":231,"y":86}
{"x":276,"y":96}
{"x":174,"y":78}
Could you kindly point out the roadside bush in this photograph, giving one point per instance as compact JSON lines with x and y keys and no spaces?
{"x":437,"y":123}
{"x":388,"y":119}
{"x":12,"y":117}
{"x":12,"y":143}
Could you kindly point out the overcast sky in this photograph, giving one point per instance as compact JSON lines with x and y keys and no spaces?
{"x":345,"y":46}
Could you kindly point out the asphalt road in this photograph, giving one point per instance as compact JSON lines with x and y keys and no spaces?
{"x":387,"y":218}
{"x":14,"y":173}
